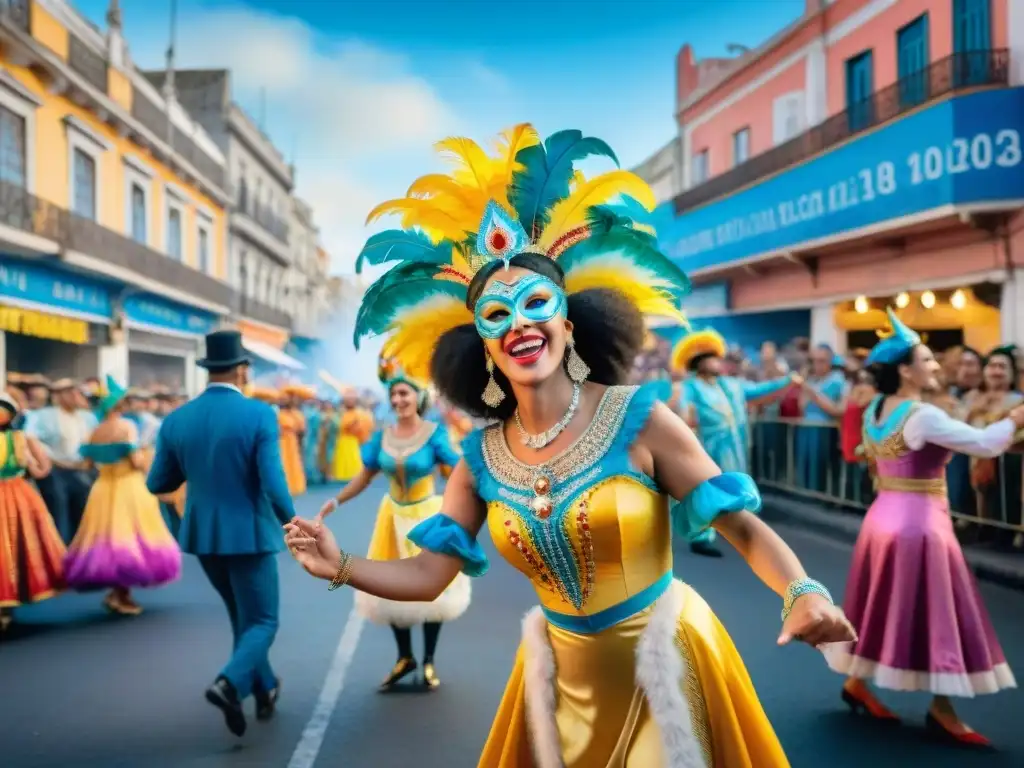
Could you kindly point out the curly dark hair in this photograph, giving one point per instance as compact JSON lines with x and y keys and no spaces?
{"x":608,"y":330}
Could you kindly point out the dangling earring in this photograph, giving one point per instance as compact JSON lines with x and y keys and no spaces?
{"x":577,"y":369}
{"x":493,"y":395}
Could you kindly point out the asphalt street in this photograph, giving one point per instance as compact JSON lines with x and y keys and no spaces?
{"x":81,"y":688}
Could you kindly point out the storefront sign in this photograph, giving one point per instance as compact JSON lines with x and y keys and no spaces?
{"x":43,"y":326}
{"x":264,"y":335}
{"x":55,"y":288}
{"x":160,"y":313}
{"x":710,"y":299}
{"x":964,"y":150}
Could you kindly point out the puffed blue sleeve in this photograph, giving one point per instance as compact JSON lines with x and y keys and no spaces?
{"x":440,"y":534}
{"x":444,"y":452}
{"x":728,"y":492}
{"x":370,"y":452}
{"x":755,"y":390}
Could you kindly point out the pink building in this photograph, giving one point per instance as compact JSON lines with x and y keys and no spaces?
{"x":870,"y":153}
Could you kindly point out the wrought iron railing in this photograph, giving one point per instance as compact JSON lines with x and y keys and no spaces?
{"x":264,"y":313}
{"x":23,"y":211}
{"x":959,"y":71}
{"x":260,"y":213}
{"x":17,"y":13}
{"x":803,"y":458}
{"x":89,"y":64}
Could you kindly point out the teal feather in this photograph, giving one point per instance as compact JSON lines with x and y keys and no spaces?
{"x":632,"y":209}
{"x":546,"y":174}
{"x":386,"y":301}
{"x":403,"y":245}
{"x":639,"y":247}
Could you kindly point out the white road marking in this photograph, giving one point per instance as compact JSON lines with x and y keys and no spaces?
{"x":312,"y":738}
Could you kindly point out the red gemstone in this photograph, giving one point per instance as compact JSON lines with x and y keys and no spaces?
{"x":586,"y":526}
{"x":498,"y":241}
{"x":508,"y":522}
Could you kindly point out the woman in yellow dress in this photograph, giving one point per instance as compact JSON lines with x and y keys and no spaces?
{"x":356,"y":427}
{"x":408,"y":453}
{"x":293,"y":427}
{"x":533,"y":321}
{"x":122,"y":541}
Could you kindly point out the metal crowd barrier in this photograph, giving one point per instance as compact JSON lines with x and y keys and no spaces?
{"x":804,"y":458}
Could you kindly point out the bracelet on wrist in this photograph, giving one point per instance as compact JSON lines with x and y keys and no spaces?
{"x":800,"y":587}
{"x":343,"y":573}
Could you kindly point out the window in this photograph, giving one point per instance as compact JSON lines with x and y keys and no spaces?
{"x":859,"y":88}
{"x":83,"y":176}
{"x":13,"y":148}
{"x":788,"y":114}
{"x":741,"y":146}
{"x":138,"y":211}
{"x":203,"y":247}
{"x":174,"y":229}
{"x":972,"y":40}
{"x":912,"y":61}
{"x":699,"y":172}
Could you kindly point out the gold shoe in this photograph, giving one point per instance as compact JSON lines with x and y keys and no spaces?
{"x":401,"y":669}
{"x":430,"y":678}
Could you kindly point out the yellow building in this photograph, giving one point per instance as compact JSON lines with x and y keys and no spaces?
{"x":112,"y":205}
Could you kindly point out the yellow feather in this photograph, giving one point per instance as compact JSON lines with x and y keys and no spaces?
{"x":464,"y":203}
{"x":510,"y":143}
{"x":417,"y":331}
{"x":425,"y":214}
{"x":648,"y":293}
{"x":472,"y":165}
{"x":706,"y":342}
{"x":570,"y":213}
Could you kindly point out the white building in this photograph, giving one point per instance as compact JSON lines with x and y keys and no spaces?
{"x":663,"y":171}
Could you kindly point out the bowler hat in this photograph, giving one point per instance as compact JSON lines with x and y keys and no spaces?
{"x":223,"y":350}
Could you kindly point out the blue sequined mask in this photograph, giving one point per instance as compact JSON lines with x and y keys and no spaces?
{"x":533,"y":299}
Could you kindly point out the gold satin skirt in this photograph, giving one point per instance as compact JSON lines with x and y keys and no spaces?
{"x":605,"y":700}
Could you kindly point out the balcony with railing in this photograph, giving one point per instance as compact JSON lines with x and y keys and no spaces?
{"x":269,"y":221}
{"x":953,"y":74}
{"x":92,"y":66}
{"x":261,"y":312}
{"x":17,"y":13}
{"x":23,"y":211}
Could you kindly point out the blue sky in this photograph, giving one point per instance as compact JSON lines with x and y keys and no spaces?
{"x":355,"y":93}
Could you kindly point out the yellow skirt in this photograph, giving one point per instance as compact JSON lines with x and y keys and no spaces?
{"x":666,"y":688}
{"x":389,"y":542}
{"x":347,"y":462}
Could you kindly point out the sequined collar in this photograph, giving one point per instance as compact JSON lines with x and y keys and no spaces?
{"x":402,"y":447}
{"x":584,"y":452}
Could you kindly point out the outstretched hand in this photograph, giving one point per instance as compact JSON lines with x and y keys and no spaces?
{"x":313,"y":545}
{"x":816,"y":621}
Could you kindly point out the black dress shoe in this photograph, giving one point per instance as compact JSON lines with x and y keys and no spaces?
{"x":223,"y":695}
{"x":266,"y":702}
{"x":705,"y":549}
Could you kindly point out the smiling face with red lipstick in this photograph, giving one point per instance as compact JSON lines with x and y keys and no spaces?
{"x":521,"y":317}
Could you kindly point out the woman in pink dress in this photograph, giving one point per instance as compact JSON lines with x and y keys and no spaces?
{"x":919,"y":617}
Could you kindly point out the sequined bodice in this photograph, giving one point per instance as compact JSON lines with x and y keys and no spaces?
{"x":884,"y":442}
{"x":586,"y":528}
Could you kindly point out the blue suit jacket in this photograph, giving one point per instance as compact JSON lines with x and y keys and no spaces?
{"x":226,"y":446}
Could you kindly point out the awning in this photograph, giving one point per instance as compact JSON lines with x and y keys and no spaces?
{"x":271,"y":355}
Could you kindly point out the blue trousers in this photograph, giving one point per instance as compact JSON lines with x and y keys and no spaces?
{"x":249,"y":587}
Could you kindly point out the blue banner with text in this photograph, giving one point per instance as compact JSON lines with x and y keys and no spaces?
{"x":966,"y":150}
{"x":54,"y":289}
{"x":153,"y":311}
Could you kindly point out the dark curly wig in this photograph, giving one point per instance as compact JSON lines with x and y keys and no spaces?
{"x":608,"y":330}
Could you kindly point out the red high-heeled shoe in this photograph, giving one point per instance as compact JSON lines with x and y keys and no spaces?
{"x":863,"y":702}
{"x":935,"y":728}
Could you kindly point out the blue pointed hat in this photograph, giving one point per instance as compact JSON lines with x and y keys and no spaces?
{"x":895,"y":346}
{"x":115,"y":394}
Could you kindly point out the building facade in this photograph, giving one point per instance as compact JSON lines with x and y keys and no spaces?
{"x":113,"y":208}
{"x":663,"y":171}
{"x":868,"y":154}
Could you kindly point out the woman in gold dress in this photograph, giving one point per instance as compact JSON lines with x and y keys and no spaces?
{"x":354,"y":430}
{"x":408,"y":453}
{"x":293,"y":427}
{"x":530,"y":314}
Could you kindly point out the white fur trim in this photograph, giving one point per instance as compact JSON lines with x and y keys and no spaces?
{"x":452,"y":603}
{"x":961,"y":684}
{"x":660,"y":673}
{"x":539,"y":680}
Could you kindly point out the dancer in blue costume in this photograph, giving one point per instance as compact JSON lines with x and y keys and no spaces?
{"x":716,"y":407}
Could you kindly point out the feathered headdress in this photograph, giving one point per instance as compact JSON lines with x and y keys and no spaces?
{"x":391,"y":372}
{"x":695,"y":344}
{"x":528,"y":197}
{"x":894,"y":346}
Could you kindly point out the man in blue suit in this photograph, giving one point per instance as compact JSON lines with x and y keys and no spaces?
{"x":225,"y":446}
